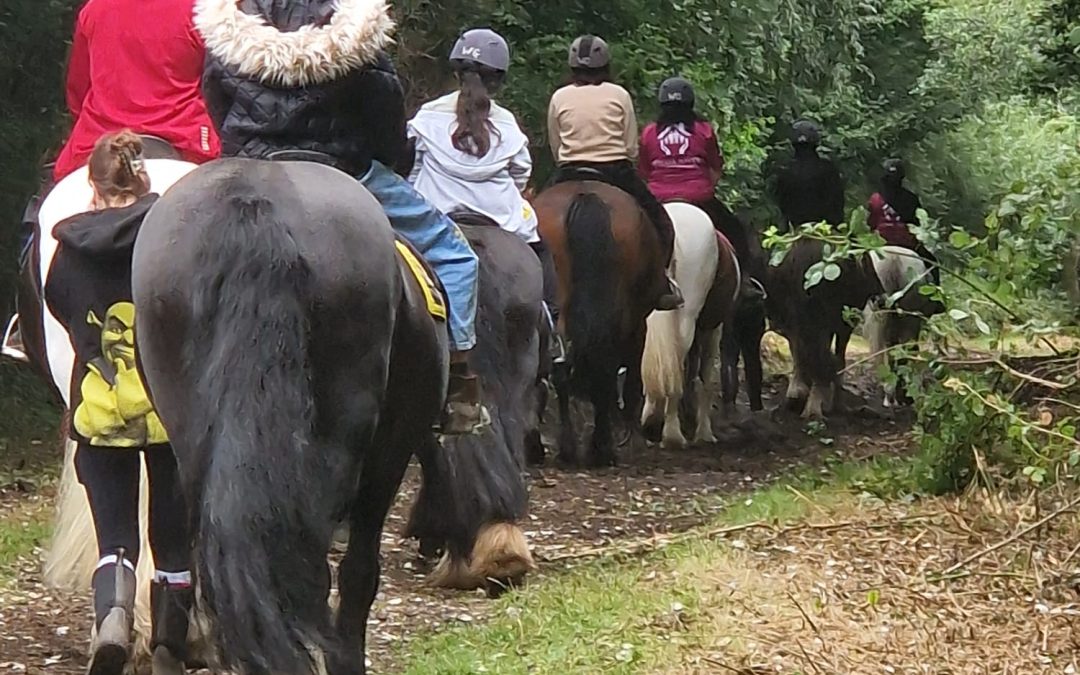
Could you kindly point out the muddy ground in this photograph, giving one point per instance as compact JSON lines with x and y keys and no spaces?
{"x":652,"y":492}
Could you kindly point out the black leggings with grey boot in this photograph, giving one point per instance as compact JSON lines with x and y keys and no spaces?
{"x":111,"y":479}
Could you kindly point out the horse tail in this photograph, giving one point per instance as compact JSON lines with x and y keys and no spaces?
{"x":662,"y":360}
{"x":591,"y":314}
{"x":262,"y":519}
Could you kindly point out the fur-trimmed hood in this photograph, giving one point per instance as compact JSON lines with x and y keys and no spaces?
{"x":248,"y":45}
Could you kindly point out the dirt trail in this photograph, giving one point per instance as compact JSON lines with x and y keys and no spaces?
{"x":651,"y":492}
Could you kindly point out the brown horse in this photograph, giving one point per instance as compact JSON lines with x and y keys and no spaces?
{"x":812,"y":319}
{"x":611,"y":273}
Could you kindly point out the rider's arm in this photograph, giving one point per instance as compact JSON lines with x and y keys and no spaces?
{"x":645,"y":158}
{"x":521,"y":167}
{"x":213,"y":91}
{"x":384,"y":112}
{"x":714,"y":157}
{"x":78,"y":75}
{"x":554,"y":135}
{"x":630,"y":127}
{"x":836,"y":195}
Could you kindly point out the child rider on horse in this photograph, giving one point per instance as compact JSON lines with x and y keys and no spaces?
{"x":89,"y":291}
{"x":312,"y":75}
{"x":593,"y":132}
{"x":893,"y":208}
{"x":680,"y":159}
{"x":472,"y":155}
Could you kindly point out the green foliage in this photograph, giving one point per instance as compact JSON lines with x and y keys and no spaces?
{"x":34,"y":34}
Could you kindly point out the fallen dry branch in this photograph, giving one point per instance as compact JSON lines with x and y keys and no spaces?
{"x":1018,"y":535}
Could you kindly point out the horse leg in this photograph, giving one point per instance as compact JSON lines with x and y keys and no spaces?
{"x":568,"y":445}
{"x":604,"y":396}
{"x":813,"y":361}
{"x":633,"y":390}
{"x":705,"y":374}
{"x":358,"y":576}
{"x":750,"y":345}
{"x":691,"y":383}
{"x":843,"y":336}
{"x":798,"y":387}
{"x":425,"y":521}
{"x":729,"y":369}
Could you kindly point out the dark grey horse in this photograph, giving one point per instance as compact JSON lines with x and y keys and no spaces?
{"x":294,"y":361}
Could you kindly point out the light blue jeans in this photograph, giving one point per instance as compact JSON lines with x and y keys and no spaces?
{"x":439,"y":240}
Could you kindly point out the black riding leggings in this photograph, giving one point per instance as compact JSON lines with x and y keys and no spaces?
{"x":622,"y":175}
{"x":111,"y":479}
{"x":551,"y":280}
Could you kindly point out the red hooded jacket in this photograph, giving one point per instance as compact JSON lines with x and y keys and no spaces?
{"x":137,"y":64}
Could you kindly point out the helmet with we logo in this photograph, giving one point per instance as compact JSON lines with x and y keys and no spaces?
{"x":482,"y":47}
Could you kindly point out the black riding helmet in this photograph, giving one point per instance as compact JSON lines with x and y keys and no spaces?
{"x":805,"y":132}
{"x":676,"y":90}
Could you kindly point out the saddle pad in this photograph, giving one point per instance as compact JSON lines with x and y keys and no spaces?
{"x":434,"y":296}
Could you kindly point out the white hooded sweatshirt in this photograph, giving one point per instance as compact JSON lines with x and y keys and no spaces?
{"x":490,"y":185}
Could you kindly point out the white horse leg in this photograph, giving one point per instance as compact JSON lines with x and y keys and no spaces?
{"x":648,"y":411}
{"x":816,"y":403}
{"x":798,"y":388}
{"x":673,"y":438}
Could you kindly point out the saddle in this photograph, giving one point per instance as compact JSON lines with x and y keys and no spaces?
{"x":297,"y":155}
{"x":471,"y":218}
{"x":155,"y":147}
{"x":430,"y":285}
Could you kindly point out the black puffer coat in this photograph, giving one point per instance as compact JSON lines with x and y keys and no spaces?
{"x":329,"y":88}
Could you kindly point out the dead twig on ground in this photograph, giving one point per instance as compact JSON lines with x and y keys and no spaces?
{"x":1008,"y":540}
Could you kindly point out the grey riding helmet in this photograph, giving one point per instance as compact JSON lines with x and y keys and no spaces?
{"x":805,"y":132}
{"x":676,"y":90}
{"x":484,"y":47}
{"x":589,"y":52}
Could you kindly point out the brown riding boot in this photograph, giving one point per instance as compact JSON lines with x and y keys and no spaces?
{"x":465,"y":412}
{"x":114,"y":610}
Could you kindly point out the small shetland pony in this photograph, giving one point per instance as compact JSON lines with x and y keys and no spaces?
{"x":483,"y":473}
{"x":813,"y":319}
{"x":611,"y":273}
{"x":903,"y":272}
{"x":298,"y":365}
{"x":706,"y":270}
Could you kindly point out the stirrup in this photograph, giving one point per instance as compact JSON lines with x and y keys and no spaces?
{"x":12,"y":345}
{"x":557,"y":348}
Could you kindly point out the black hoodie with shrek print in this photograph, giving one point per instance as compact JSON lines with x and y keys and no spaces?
{"x":88,"y":290}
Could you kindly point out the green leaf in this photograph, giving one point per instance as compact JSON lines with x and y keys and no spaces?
{"x":831,"y":272}
{"x":958,"y":314}
{"x":983,"y":327}
{"x":959,"y":239}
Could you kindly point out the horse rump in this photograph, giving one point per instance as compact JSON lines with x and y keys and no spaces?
{"x":263,"y":495}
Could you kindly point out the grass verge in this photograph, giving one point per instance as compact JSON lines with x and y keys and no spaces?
{"x":632,"y":615}
{"x":30,"y":454}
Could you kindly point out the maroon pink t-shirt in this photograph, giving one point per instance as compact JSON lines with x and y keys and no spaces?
{"x":677,"y":162}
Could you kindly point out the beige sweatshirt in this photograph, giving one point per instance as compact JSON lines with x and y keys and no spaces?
{"x":592,"y":123}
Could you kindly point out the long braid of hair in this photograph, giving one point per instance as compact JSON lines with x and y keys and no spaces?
{"x":474,"y":128}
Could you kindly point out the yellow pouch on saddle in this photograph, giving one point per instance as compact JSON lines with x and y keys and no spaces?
{"x":116,"y":411}
{"x":433,"y":297}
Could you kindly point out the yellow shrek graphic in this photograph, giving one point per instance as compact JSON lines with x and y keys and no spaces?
{"x":116,"y":411}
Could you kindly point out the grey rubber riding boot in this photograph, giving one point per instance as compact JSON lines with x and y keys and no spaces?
{"x":171,"y":608}
{"x":114,"y":609}
{"x":465,"y":412}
